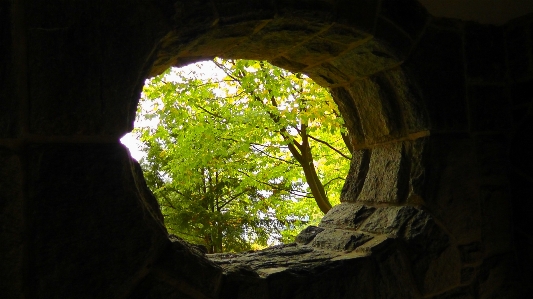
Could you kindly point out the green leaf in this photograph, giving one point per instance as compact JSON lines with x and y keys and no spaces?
{"x":220,"y":160}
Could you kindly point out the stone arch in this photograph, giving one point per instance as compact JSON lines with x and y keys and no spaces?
{"x":383,"y":111}
{"x":387,"y":123}
{"x":75,"y":200}
{"x":347,"y":58}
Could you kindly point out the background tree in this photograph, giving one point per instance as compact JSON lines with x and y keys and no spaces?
{"x":238,"y":159}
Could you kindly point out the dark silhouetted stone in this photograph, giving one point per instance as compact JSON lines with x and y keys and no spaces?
{"x":485,"y":53}
{"x":452,"y":159}
{"x":8,"y":101}
{"x":91,"y":212}
{"x":346,"y":216}
{"x":437,"y":65}
{"x":387,"y":178}
{"x":439,"y":122}
{"x":490,"y":108}
{"x":12,"y":225}
{"x":388,"y":220}
{"x":308,"y":234}
{"x":516,"y":44}
{"x":340,"y":240}
{"x":409,"y":15}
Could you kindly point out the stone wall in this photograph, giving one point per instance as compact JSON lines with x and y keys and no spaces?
{"x":515,"y":159}
{"x":439,"y":113}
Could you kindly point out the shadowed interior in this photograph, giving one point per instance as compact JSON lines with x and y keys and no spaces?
{"x":438,"y":111}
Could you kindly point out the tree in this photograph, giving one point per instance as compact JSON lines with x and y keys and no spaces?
{"x":237,"y":159}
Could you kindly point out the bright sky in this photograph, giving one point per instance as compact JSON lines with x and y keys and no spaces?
{"x":205,"y":69}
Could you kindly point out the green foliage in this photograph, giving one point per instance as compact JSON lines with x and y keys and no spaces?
{"x":226,"y":159}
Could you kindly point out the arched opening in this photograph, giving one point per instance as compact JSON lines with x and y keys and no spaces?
{"x":81,"y":223}
{"x":382,"y":110}
{"x":387,"y":123}
{"x":240,"y":154}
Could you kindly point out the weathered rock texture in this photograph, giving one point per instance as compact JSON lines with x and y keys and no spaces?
{"x":439,"y":113}
{"x":358,"y":251}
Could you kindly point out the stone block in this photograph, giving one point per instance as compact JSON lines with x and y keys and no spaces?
{"x":522,"y":207}
{"x":379,"y":119}
{"x":359,"y":14}
{"x":346,"y":215}
{"x":316,"y":51}
{"x":443,"y":272}
{"x":340,"y":240}
{"x":343,"y":279}
{"x":415,"y":153}
{"x":69,"y":103}
{"x":406,"y":99}
{"x":485,"y":53}
{"x":468,"y":274}
{"x":290,"y":65}
{"x":188,"y":271}
{"x":364,"y":60}
{"x":154,"y":287}
{"x":326,"y":75}
{"x":520,"y":147}
{"x":458,"y":293}
{"x":194,"y":12}
{"x":378,"y":244}
{"x":345,"y":35}
{"x":394,"y":280}
{"x":387,"y":179}
{"x":13,"y":250}
{"x":218,"y":41}
{"x":516,"y":45}
{"x":524,"y":254}
{"x":423,"y":234}
{"x":243,"y":284}
{"x":521,"y":94}
{"x":8,"y":104}
{"x":229,"y":12}
{"x":492,"y":158}
{"x":489,"y":108}
{"x":498,"y":278}
{"x":388,"y":220}
{"x":277,"y":37}
{"x":495,"y":192}
{"x":472,"y":254}
{"x":497,"y":219}
{"x":395,"y":39}
{"x":294,"y":271}
{"x":349,"y":113}
{"x":436,"y":263}
{"x":94,"y":222}
{"x":85,"y":68}
{"x":409,"y":15}
{"x":518,"y":114}
{"x":437,"y":67}
{"x":308,"y":234}
{"x":451,"y":191}
{"x":316,"y":10}
{"x":448,"y":24}
{"x":428,"y":247}
{"x":521,"y":187}
{"x":355,"y":179}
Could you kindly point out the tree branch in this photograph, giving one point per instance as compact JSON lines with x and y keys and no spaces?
{"x":208,"y":112}
{"x":232,"y":199}
{"x":268,"y":155}
{"x":330,"y":146}
{"x":276,"y":187}
{"x":334,"y":179}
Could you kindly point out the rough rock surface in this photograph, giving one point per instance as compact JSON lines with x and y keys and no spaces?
{"x":389,"y":241}
{"x":438,"y":111}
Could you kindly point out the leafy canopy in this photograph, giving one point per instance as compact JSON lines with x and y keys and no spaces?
{"x":244,"y":159}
